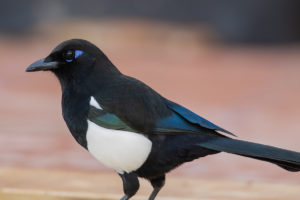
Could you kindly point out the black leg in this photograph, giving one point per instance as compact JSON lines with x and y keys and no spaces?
{"x":157,"y":184}
{"x":130,"y":185}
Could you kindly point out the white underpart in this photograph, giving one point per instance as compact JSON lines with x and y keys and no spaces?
{"x":122,"y":151}
{"x":94,"y":103}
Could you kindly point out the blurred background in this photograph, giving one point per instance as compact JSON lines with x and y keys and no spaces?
{"x":236,"y":63}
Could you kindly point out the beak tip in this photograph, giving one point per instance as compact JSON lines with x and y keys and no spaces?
{"x":28,"y":69}
{"x":32,"y":68}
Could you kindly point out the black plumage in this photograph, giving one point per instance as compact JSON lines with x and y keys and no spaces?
{"x":123,"y":103}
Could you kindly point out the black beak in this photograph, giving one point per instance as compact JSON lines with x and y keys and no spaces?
{"x":41,"y":65}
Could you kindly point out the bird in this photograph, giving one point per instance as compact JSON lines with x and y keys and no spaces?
{"x":131,"y":128}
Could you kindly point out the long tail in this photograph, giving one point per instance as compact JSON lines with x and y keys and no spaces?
{"x":289,"y":160}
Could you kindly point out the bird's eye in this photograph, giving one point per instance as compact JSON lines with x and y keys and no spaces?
{"x":71,"y":55}
{"x":68,"y":55}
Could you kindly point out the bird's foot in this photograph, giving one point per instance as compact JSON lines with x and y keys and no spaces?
{"x":154,"y":194}
{"x":125,"y":197}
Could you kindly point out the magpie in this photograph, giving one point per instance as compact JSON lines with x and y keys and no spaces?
{"x":131,"y":128}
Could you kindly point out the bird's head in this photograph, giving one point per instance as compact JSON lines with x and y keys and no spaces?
{"x":74,"y":60}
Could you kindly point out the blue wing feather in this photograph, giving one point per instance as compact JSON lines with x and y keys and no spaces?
{"x":175,"y":123}
{"x":192,"y":118}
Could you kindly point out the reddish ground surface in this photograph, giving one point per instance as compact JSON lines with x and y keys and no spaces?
{"x":253,"y":92}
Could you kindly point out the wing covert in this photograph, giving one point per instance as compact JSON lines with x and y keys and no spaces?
{"x":107,"y":120}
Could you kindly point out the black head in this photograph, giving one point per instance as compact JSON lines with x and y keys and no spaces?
{"x":74,"y":60}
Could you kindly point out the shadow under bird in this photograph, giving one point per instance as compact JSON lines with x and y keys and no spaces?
{"x":129,"y":127}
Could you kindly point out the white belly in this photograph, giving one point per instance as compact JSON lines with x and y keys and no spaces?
{"x":122,"y":151}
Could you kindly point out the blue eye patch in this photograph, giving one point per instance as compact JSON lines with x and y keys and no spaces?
{"x":78,"y":53}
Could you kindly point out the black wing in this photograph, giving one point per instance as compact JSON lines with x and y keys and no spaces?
{"x":141,"y":109}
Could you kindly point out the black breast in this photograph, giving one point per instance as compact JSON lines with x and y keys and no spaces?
{"x":75,"y":108}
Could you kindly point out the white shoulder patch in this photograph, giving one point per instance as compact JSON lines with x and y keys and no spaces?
{"x":94,"y":103}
